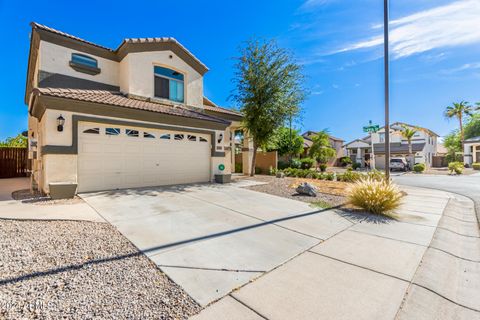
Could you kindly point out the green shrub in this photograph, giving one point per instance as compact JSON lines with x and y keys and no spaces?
{"x":283,"y":165}
{"x":456,"y":167}
{"x":306,"y":163}
{"x":295,"y":163}
{"x":323,"y":167}
{"x":376,"y":175}
{"x":349,"y":176}
{"x":419,"y":167}
{"x":355,"y":165}
{"x":238,"y":168}
{"x":345,"y":161}
{"x":476,"y":166}
{"x":330,"y":176}
{"x":272,"y":171}
{"x":378,"y":197}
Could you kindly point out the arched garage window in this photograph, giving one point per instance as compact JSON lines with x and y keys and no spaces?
{"x":168,"y":84}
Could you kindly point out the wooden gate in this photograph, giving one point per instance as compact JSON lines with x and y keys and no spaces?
{"x":13,"y":162}
{"x":439,"y":161}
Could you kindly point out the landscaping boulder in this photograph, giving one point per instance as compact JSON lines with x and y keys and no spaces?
{"x":306,"y":189}
{"x":280,"y":175}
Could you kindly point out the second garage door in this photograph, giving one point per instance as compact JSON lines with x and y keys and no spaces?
{"x":115,"y":157}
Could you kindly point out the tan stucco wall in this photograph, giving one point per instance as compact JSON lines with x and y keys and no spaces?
{"x":139,"y":68}
{"x":55,"y":59}
{"x":59,"y":168}
{"x":124,"y":74}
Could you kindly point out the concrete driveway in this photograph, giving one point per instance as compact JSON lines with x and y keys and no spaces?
{"x":211,"y":239}
{"x":257,"y":256}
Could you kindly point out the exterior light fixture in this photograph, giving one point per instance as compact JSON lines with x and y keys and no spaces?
{"x":60,"y":123}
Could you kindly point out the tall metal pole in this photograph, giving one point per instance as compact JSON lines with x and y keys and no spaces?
{"x":387,"y":111}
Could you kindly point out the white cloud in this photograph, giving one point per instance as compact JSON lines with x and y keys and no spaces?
{"x":465,"y":67}
{"x":312,"y":4}
{"x":451,"y":25}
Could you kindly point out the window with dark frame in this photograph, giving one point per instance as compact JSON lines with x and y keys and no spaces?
{"x":169,"y":84}
{"x":84,"y":60}
{"x":112,"y":131}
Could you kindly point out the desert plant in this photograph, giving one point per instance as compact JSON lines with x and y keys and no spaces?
{"x":455,"y":167}
{"x":378,"y":197}
{"x":419,"y":167}
{"x":306,"y":163}
{"x":476,"y":166}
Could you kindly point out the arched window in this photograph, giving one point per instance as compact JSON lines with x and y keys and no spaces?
{"x":84,"y":63}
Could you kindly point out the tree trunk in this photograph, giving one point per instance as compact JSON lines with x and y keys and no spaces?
{"x":461,"y":132}
{"x":254,"y":159}
{"x":410,"y":152}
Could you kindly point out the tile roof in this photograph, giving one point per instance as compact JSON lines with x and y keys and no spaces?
{"x":209,"y":105}
{"x":46,"y":28}
{"x":115,"y":98}
{"x":125,"y":41}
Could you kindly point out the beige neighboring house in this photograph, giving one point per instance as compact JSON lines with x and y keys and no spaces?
{"x":133,"y":116}
{"x":424,"y":146}
{"x":471,"y":151}
{"x":336,"y":143}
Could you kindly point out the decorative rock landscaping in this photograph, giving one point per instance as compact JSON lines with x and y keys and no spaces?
{"x":81,"y":270}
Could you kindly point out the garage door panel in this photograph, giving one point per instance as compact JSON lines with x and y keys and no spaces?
{"x":111,"y":162}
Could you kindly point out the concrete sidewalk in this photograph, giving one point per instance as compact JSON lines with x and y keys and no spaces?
{"x":14,"y":209}
{"x":423,"y":265}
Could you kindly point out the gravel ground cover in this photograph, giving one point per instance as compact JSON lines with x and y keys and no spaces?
{"x":284,"y":187}
{"x":37,"y":198}
{"x":81,"y":270}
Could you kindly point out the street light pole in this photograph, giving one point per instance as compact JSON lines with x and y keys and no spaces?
{"x":387,"y":111}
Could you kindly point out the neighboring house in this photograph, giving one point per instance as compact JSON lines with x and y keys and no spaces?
{"x":336,"y":143}
{"x":471,"y":150}
{"x":424,"y":146}
{"x":133,"y":116}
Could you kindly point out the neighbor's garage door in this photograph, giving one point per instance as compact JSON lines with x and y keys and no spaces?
{"x":114,"y":157}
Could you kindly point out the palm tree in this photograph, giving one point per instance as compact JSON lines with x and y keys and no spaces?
{"x":458,"y":110}
{"x":408,"y":133}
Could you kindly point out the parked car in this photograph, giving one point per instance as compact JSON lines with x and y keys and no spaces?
{"x":399,"y":164}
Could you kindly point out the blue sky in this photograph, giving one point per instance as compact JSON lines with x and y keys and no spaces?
{"x":435,"y":51}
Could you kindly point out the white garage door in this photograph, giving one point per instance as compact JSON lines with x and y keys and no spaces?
{"x":115,"y":157}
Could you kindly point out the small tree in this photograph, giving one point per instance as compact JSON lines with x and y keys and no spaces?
{"x":20,"y":141}
{"x":321,"y":150}
{"x":287,"y":142}
{"x":268,"y":88}
{"x":408,"y":133}
{"x":459,"y":110}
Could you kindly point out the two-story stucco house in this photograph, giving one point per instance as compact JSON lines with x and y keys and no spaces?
{"x":424,"y":146}
{"x":335,"y":142}
{"x":133,"y":116}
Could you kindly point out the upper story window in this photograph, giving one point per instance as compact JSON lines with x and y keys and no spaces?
{"x":169,"y":84}
{"x":84,"y":63}
{"x":381,"y":137}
